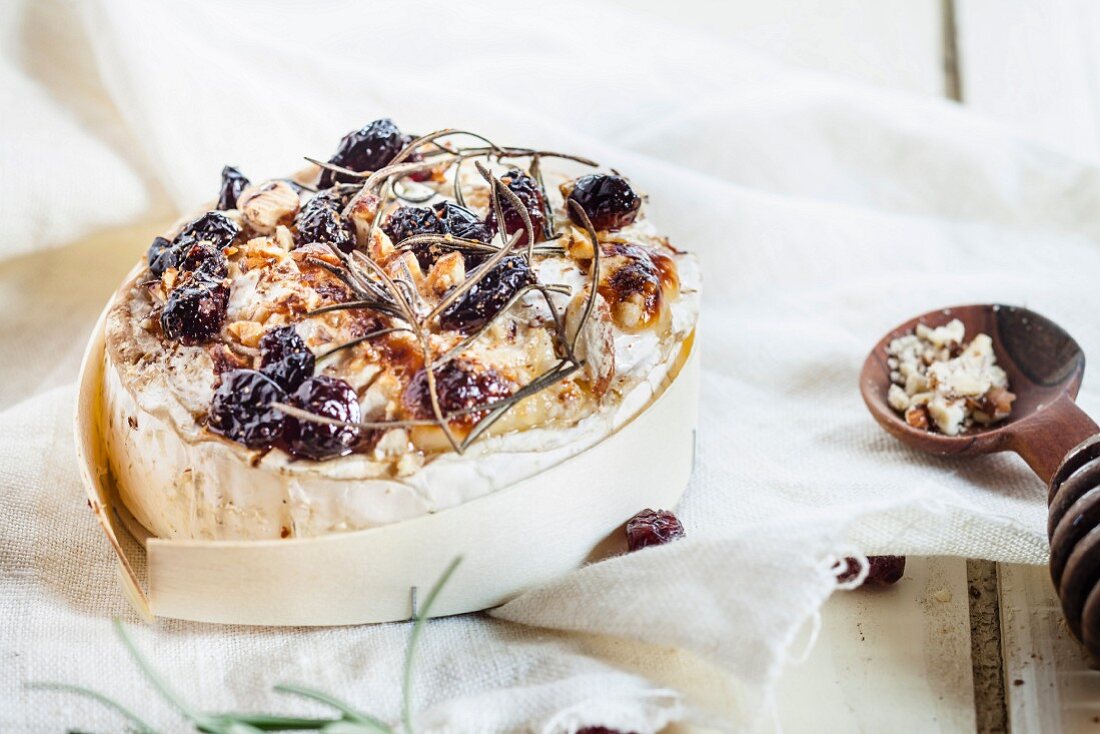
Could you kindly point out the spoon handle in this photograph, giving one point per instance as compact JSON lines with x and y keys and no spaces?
{"x":1074,"y":514}
{"x":1045,"y":438}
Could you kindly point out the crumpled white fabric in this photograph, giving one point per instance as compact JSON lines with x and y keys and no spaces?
{"x":824,"y":213}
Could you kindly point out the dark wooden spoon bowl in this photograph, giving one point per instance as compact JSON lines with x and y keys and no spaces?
{"x":1046,"y":428}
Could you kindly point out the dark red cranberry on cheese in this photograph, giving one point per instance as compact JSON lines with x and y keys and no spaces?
{"x":202,"y":260}
{"x":285,"y":358}
{"x":321,"y":220}
{"x":609,"y":201}
{"x":483,"y":301}
{"x":529,"y":193}
{"x":328,"y":397}
{"x":459,"y":386}
{"x":369,"y":148}
{"x":442,"y":218}
{"x":161,"y":256}
{"x":195,"y":311}
{"x":214,"y":227}
{"x":233,"y":183}
{"x":242,"y":409}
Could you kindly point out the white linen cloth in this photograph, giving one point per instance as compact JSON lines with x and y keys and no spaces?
{"x":824,"y":213}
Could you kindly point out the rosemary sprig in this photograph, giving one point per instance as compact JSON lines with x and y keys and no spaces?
{"x":140,"y":727}
{"x":345,"y":306}
{"x":351,"y":721}
{"x":499,"y":190}
{"x":445,"y":240}
{"x":535,"y":169}
{"x":209,"y":723}
{"x":356,"y":721}
{"x":516,"y":152}
{"x":450,"y":242}
{"x":398,"y":297}
{"x":154,"y":677}
{"x":420,"y":331}
{"x":497,"y":409}
{"x":410,"y":652}
{"x":359,"y":340}
{"x":595,"y":277}
{"x":516,"y":298}
{"x":305,"y":415}
{"x":338,"y":169}
{"x":475,"y":277}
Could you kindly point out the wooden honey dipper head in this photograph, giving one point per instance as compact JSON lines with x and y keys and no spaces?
{"x":1046,"y":428}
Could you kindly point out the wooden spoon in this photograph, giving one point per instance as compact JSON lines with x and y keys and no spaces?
{"x":1057,"y":439}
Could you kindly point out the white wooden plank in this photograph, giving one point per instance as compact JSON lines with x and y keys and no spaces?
{"x":894,"y":43}
{"x":1035,"y":66}
{"x":894,"y":659}
{"x":1048,"y":683}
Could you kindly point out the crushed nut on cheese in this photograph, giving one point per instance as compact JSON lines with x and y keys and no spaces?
{"x":940,"y":383}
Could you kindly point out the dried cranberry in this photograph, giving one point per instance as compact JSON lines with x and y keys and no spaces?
{"x":241,"y":409}
{"x":459,"y":385}
{"x":195,"y":311}
{"x":609,"y":201}
{"x":881,"y":570}
{"x":369,"y":148}
{"x":461,"y":222}
{"x":329,"y":397}
{"x":530,"y":195}
{"x":204,"y":260}
{"x":444,"y":217}
{"x":233,"y":183}
{"x":477,"y":306}
{"x":162,"y":255}
{"x":285,"y":358}
{"x":320,"y":220}
{"x":652,"y":527}
{"x":409,"y":221}
{"x":213,"y":227}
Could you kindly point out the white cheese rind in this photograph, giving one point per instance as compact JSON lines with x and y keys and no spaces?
{"x":180,"y":481}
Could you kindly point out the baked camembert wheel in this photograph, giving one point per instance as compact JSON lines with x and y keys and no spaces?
{"x":409,"y":326}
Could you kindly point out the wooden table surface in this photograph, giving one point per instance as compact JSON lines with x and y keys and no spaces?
{"x":958,"y":645}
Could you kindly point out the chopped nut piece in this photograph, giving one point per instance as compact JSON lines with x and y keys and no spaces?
{"x":381,"y":248}
{"x":955,"y":385}
{"x":448,"y":271}
{"x":284,"y":238}
{"x":595,"y":345}
{"x":577,"y":244}
{"x":168,"y":278}
{"x":916,"y":383}
{"x":265,"y":207}
{"x":363,"y":211}
{"x":952,"y":333}
{"x":898,"y":398}
{"x":406,"y":266}
{"x":260,"y":252}
{"x":917,"y":417}
{"x":247,"y":333}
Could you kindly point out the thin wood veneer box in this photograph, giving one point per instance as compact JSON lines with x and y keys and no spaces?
{"x":509,"y":540}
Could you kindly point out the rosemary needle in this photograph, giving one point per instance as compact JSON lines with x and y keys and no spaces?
{"x":139,"y":724}
{"x":424,"y":612}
